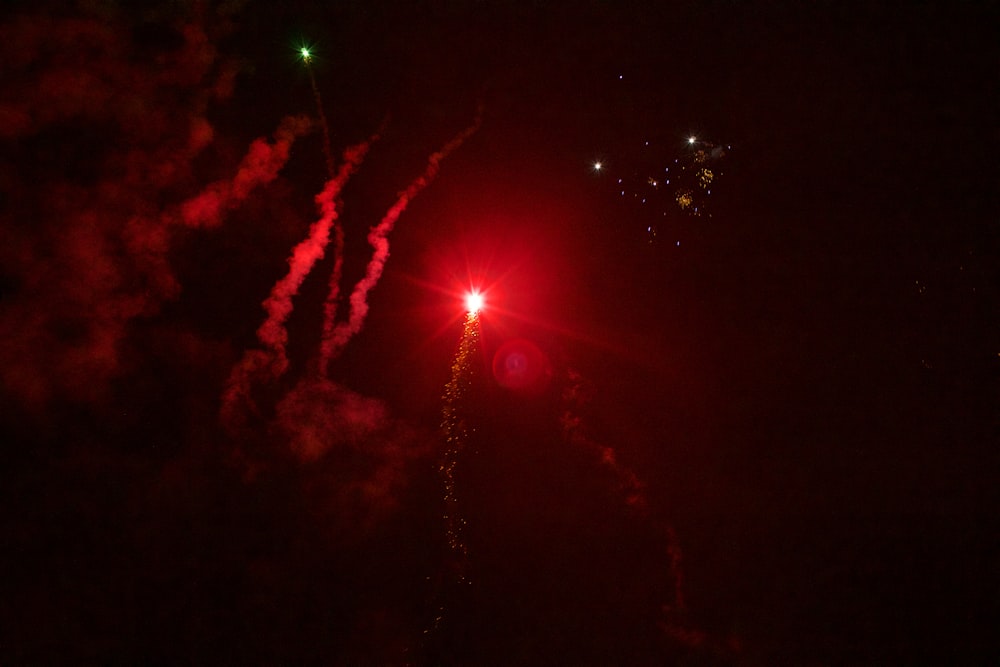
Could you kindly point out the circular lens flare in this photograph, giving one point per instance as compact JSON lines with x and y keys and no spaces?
{"x":473,"y":302}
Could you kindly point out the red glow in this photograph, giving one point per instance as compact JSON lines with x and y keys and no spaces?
{"x":473,"y":302}
{"x":521,"y":365}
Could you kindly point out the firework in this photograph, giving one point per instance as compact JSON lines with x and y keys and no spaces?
{"x":336,"y":337}
{"x":307,"y":57}
{"x":666,"y":184}
{"x":278,"y":305}
{"x":456,"y":428}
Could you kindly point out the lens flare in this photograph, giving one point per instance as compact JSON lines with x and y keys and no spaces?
{"x":306,"y":54}
{"x":473,"y":302}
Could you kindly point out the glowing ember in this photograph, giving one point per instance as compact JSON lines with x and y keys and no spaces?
{"x":473,"y":302}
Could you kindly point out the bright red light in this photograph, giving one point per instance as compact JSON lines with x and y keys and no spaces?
{"x":473,"y":302}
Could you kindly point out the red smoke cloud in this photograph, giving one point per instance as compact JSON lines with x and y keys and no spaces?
{"x":358,"y":453}
{"x":101,"y":127}
{"x":319,"y":415}
{"x":96,"y":68}
{"x":93,"y":132}
{"x":260,"y":166}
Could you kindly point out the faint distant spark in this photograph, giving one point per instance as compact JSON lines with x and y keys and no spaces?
{"x":644,"y":179}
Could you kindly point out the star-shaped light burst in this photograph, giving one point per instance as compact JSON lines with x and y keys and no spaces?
{"x":473,"y":302}
{"x":306,"y":54}
{"x":598,"y":166}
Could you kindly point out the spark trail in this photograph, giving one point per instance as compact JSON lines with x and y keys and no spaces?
{"x":336,"y":337}
{"x":456,"y":428}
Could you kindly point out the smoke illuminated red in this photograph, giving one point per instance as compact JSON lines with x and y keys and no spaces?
{"x":378,"y":238}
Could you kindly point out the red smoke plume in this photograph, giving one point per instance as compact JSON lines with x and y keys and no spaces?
{"x":674,"y":621}
{"x":100,"y":129}
{"x":336,"y":337}
{"x":331,"y":303}
{"x":272,"y":362}
{"x":576,"y":395}
{"x":260,"y":166}
{"x":357,"y":453}
{"x":272,"y":332}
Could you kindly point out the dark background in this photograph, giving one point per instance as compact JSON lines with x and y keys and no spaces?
{"x":805,"y":382}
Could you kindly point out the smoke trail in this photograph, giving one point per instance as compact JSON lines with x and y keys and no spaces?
{"x":272,"y":362}
{"x":272,"y":332}
{"x":576,"y":395}
{"x":237,"y":401}
{"x":330,"y":305}
{"x":674,"y":622}
{"x":260,"y":166}
{"x":336,"y":337}
{"x":327,"y":152}
{"x":149,"y":237}
{"x":332,"y":298}
{"x":333,"y":291}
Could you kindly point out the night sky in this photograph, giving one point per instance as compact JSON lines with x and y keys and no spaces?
{"x":732,"y":398}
